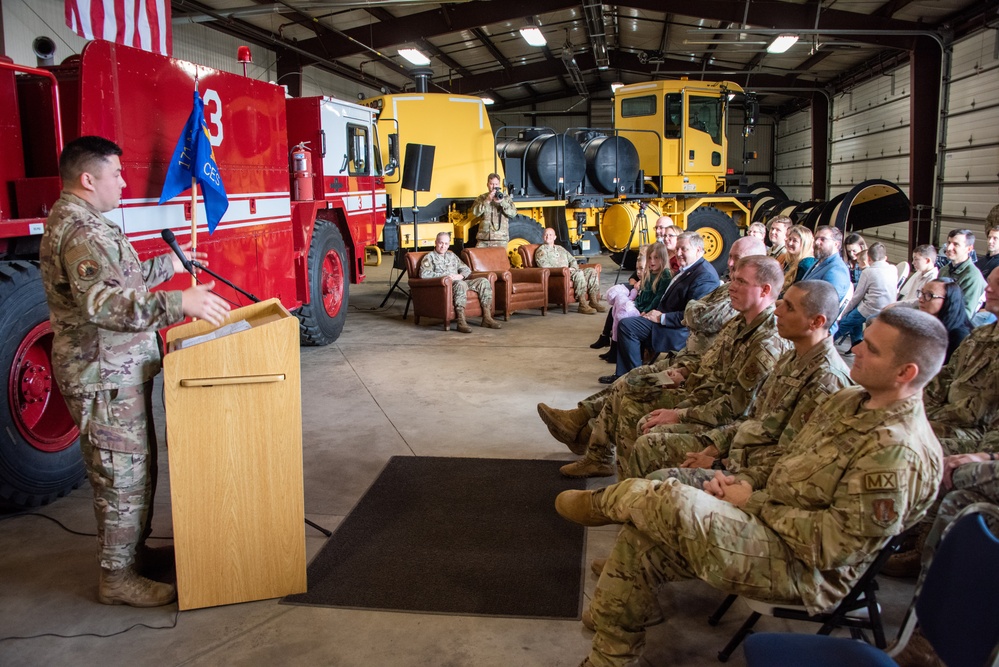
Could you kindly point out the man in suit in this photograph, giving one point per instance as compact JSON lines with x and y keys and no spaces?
{"x":830,"y":266}
{"x":662,"y":329}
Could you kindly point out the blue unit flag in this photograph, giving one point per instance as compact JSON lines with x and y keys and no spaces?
{"x":194,"y":158}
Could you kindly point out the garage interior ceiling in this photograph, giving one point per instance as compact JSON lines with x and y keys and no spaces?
{"x":475,"y":47}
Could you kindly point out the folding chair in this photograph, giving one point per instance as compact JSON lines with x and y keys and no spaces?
{"x":858,"y":611}
{"x":952,"y":606}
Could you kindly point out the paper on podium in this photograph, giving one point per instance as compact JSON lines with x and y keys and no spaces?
{"x":227,"y":330}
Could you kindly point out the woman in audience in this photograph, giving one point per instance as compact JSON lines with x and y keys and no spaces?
{"x":853,"y":244}
{"x":655,"y":280}
{"x":944,"y":299}
{"x":672,"y":234}
{"x":800,"y":258}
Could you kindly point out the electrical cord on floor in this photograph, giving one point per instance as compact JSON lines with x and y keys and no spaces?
{"x":172,"y":625}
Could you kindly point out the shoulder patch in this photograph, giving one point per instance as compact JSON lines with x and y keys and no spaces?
{"x":88,"y":269}
{"x":881,"y":481}
{"x":883,"y":511}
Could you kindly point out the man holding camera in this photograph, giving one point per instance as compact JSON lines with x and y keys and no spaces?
{"x":493,"y":210}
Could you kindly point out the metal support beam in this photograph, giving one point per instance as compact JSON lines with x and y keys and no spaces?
{"x":924,"y":107}
{"x":820,"y":146}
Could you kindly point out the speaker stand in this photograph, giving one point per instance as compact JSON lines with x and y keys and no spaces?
{"x":401,"y":261}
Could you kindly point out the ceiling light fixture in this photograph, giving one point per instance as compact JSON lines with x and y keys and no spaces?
{"x":414,"y":56}
{"x":533,"y":36}
{"x":782,"y":43}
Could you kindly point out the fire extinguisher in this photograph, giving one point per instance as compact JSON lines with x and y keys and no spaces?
{"x":301,"y":161}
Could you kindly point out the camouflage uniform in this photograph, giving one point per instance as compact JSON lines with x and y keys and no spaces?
{"x":973,"y":483}
{"x":435,"y":265}
{"x":852,"y":479}
{"x":494,"y":221}
{"x":585,"y":282}
{"x":704,"y":317}
{"x":105,"y":353}
{"x":717,"y":392}
{"x":786,"y":400}
{"x":962,"y":401}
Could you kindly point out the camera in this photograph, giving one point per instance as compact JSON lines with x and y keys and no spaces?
{"x":499,"y":193}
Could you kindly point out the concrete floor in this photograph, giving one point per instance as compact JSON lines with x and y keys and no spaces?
{"x":360,"y":407}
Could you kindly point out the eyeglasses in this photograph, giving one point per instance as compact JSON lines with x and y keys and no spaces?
{"x":928,"y":296}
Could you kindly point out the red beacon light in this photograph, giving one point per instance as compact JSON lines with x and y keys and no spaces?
{"x":244,"y":56}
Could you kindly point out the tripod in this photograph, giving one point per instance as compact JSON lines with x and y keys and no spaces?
{"x":400,"y":261}
{"x":643,"y":233}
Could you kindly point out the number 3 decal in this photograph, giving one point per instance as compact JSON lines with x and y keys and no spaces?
{"x":214,"y":119}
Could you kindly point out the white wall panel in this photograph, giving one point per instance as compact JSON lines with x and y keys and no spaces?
{"x":971,"y":158}
{"x":24,"y":21}
{"x":320,"y":82}
{"x":793,"y":160}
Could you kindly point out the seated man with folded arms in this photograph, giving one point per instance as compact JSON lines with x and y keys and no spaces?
{"x":443,"y":263}
{"x":585,"y":282}
{"x":704,"y":317}
{"x":748,"y":448}
{"x":924,"y":269}
{"x":717,"y":392}
{"x":864,"y":469}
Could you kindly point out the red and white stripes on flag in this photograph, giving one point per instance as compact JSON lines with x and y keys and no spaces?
{"x":144,"y":24}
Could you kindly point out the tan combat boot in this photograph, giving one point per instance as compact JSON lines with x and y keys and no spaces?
{"x":595,"y":302}
{"x":585,"y":308}
{"x":462,"y":325}
{"x":487,"y":318}
{"x":125,"y":586}
{"x":587,"y":468}
{"x":566,"y":426}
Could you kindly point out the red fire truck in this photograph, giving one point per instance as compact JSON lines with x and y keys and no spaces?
{"x":296,"y":229}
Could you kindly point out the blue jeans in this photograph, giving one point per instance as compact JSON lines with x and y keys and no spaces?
{"x":851,"y":325}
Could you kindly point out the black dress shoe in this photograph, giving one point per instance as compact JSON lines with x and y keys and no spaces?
{"x":606,"y":379}
{"x":603,"y":341}
{"x":610,"y":356}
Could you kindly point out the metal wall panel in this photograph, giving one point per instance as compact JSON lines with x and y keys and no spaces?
{"x":793,"y":159}
{"x":970,"y":170}
{"x":316,"y":81}
{"x":24,"y":21}
{"x":870,"y":140}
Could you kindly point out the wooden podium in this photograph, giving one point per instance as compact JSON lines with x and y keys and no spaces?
{"x":234,"y":439}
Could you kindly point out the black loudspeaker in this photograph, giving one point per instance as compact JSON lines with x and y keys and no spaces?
{"x":418,"y":167}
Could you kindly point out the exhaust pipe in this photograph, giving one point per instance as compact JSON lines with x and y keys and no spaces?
{"x":44,"y":49}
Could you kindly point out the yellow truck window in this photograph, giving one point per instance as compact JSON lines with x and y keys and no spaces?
{"x":706,"y":116}
{"x":632,"y":107}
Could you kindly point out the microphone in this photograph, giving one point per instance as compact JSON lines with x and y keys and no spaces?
{"x":171,"y":241}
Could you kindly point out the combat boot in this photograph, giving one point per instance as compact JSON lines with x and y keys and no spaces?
{"x":587,"y":468}
{"x":125,"y":586}
{"x":585,"y":308}
{"x":595,"y":302}
{"x":462,"y":325}
{"x":565,"y":426}
{"x":487,"y":319}
{"x":581,"y":507}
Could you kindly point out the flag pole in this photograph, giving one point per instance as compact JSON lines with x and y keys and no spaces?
{"x":194,"y":200}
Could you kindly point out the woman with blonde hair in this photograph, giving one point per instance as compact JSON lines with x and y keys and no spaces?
{"x":648,"y":293}
{"x":798,"y":245}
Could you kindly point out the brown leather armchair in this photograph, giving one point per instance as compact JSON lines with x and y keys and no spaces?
{"x":432,"y":297}
{"x":560,"y":290}
{"x":516,"y":289}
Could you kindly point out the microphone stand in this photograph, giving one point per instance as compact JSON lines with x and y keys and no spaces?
{"x":201,"y":267}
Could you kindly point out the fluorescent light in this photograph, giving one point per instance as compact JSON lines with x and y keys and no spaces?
{"x":616,"y":85}
{"x":782,"y":43}
{"x":488,"y":100}
{"x":533,"y":36}
{"x":414,"y":56}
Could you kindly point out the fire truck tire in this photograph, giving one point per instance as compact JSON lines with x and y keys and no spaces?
{"x":39,"y":452}
{"x":523,"y":230}
{"x":719,"y":233}
{"x":321,"y":320}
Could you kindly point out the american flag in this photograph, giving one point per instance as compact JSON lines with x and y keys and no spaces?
{"x":144,"y":24}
